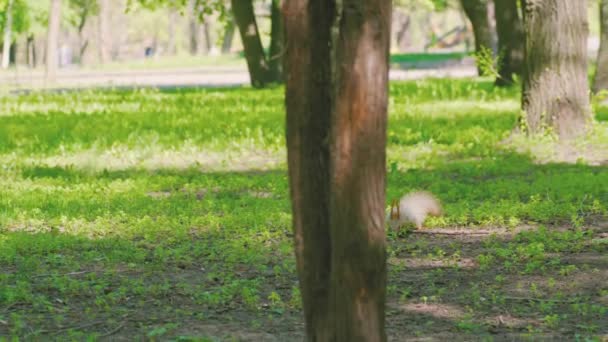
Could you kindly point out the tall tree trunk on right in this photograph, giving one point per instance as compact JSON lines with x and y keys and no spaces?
{"x":477,"y":12}
{"x":336,"y":103}
{"x":510,"y":41}
{"x":275,"y":58}
{"x":8,"y":25}
{"x":600,"y":81}
{"x":252,"y":44}
{"x":555,"y":92}
{"x":53,"y":40}
{"x":104,"y":40}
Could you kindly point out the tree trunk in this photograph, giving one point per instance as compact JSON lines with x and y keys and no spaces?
{"x":8,"y":26}
{"x":404,"y":26}
{"x":52,"y":40}
{"x":250,"y":36}
{"x":12,"y":55}
{"x":228,"y":36}
{"x":207,"y":28}
{"x":510,"y":41}
{"x":336,"y":102}
{"x":477,"y":12}
{"x":600,"y":81}
{"x":193,"y":27}
{"x":171,"y":47}
{"x":31,"y":51}
{"x":275,"y":58}
{"x":104,"y":40}
{"x":555,"y":92}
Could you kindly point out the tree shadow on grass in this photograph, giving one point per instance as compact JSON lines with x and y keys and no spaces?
{"x":190,"y":272}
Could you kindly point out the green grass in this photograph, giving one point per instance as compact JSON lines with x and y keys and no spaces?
{"x":426,"y":57}
{"x":166,"y":215}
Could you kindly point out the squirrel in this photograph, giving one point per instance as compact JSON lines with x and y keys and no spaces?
{"x":413,"y":207}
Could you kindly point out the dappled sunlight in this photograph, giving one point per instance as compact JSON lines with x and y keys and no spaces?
{"x":592,"y":149}
{"x":183,"y":201}
{"x":437,"y":310}
{"x":428,"y":263}
{"x":158,"y":158}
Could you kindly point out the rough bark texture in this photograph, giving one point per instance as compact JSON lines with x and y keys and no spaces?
{"x":53,"y":40}
{"x":555,"y":92}
{"x":477,"y":12}
{"x":510,"y":41}
{"x":358,"y":168}
{"x":275,"y":58}
{"x":308,"y":103}
{"x":600,"y":81}
{"x":8,"y":26}
{"x":336,"y":102}
{"x":252,"y":44}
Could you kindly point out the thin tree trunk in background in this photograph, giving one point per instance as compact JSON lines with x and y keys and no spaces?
{"x":336,"y":103}
{"x":555,"y":92}
{"x":193,"y":26}
{"x":477,"y":12}
{"x":12,"y":55}
{"x":8,"y":26}
{"x":228,"y":36}
{"x":401,"y":37}
{"x":31,"y":51}
{"x":275,"y":58}
{"x":510,"y":41}
{"x":53,"y":40}
{"x":171,"y":47}
{"x":252,"y":44}
{"x":207,"y":28}
{"x":83,"y":41}
{"x":103,"y":35}
{"x":600,"y":81}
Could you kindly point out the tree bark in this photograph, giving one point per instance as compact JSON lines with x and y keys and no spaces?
{"x":252,"y":44}
{"x":600,"y":81}
{"x":8,"y":26}
{"x":510,"y":41}
{"x":477,"y":12}
{"x":555,"y":92}
{"x":336,"y":102}
{"x":275,"y":58}
{"x":53,"y":40}
{"x":104,"y":40}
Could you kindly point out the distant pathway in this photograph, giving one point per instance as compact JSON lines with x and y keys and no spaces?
{"x":184,"y":77}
